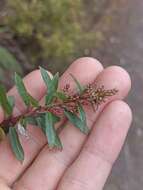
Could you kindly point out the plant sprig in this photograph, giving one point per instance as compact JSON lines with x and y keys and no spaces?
{"x":57,"y":104}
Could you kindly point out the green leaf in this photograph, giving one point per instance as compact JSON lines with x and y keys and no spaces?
{"x":8,"y":61}
{"x":52,"y":85}
{"x":49,"y":98}
{"x":11,"y":101}
{"x":41,"y":121}
{"x":4,"y":101}
{"x":55,"y":81}
{"x":27,"y":98}
{"x":45,"y":76}
{"x":33,"y":101}
{"x":79,"y":86}
{"x":81,"y":113}
{"x":53,"y":138}
{"x":82,"y":116}
{"x":22,"y":90}
{"x":15,"y":144}
{"x":76,"y":121}
{"x":61,"y":96}
{"x":52,"y":89}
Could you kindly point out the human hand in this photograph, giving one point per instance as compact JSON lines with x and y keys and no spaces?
{"x":86,"y":161}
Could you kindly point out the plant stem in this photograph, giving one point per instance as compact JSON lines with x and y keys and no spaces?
{"x":12,"y":121}
{"x":90,"y":96}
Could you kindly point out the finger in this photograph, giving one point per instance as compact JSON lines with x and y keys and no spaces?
{"x":93,"y":165}
{"x":34,"y":85}
{"x":3,"y":186}
{"x":72,"y":139}
{"x":12,"y":169}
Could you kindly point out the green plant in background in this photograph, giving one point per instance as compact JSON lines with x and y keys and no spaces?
{"x":8,"y":63}
{"x":52,"y":32}
{"x":46,"y":28}
{"x":58,"y":103}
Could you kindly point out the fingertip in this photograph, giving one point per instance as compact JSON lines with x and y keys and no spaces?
{"x":115,"y":77}
{"x":122,"y":74}
{"x":85,"y":62}
{"x":121,"y":108}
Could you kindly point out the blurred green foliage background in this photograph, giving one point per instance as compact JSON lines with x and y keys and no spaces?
{"x":50,"y":33}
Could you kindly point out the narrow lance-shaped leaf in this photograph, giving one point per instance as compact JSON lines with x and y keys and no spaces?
{"x":55,"y":82}
{"x":52,"y":89}
{"x":52,"y":136}
{"x":11,"y":101}
{"x":45,"y":76}
{"x":21,"y":89}
{"x":79,"y":86}
{"x":82,"y":116}
{"x":41,"y":121}
{"x":27,"y":98}
{"x":33,"y":101}
{"x":8,"y":61}
{"x":51,"y":84}
{"x":49,"y":98}
{"x":4,"y":101}
{"x":76,"y":121}
{"x":15,"y":144}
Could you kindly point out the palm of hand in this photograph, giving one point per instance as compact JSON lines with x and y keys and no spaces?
{"x":85,"y":162}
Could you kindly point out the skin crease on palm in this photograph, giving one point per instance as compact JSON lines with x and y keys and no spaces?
{"x":86,"y":161}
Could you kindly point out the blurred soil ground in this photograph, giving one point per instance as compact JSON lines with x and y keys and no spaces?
{"x":124,"y":47}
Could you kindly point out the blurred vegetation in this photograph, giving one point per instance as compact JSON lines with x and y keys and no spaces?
{"x":49,"y":32}
{"x":46,"y":28}
{"x":7,"y":61}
